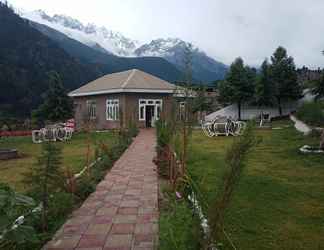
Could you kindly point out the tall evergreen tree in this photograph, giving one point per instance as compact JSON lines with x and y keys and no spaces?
{"x":251,"y":74}
{"x":238,"y":86}
{"x":264,"y":92}
{"x":284,"y":77}
{"x":57,"y":105}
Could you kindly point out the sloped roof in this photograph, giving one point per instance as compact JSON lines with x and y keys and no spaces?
{"x":131,"y":81}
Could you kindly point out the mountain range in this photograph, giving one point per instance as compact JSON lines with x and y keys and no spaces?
{"x":204,"y":68}
{"x":34,"y":44}
{"x":108,"y":62}
{"x":28,"y":55}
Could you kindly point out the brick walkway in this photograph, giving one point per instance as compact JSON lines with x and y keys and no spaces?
{"x":123,"y":211}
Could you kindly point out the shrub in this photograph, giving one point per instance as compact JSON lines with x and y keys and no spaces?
{"x":99,"y":169}
{"x":85,"y":186}
{"x":117,"y":150}
{"x":61,"y":203}
{"x":312,"y":113}
{"x":163,"y":133}
{"x":124,"y":138}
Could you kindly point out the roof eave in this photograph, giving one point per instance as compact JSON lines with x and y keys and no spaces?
{"x":113,"y":91}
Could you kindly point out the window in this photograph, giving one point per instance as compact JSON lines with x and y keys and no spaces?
{"x":141,"y":108}
{"x":91,"y":108}
{"x":112,"y":109}
{"x":142,"y":112}
{"x":182,"y":110}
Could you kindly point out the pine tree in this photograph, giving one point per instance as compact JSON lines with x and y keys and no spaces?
{"x":284,"y":77}
{"x":264,"y":92}
{"x":46,"y":177}
{"x":238,"y":86}
{"x":57,"y":105}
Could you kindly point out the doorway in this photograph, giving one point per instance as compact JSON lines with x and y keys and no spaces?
{"x":149,"y":114}
{"x":149,"y":111}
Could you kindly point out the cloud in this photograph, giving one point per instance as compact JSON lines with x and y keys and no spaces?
{"x":225,"y":29}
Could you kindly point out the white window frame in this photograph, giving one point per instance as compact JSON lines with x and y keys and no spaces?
{"x":92,"y":109}
{"x":112,"y":107}
{"x":142,"y":103}
{"x":182,"y":110}
{"x":141,"y":106}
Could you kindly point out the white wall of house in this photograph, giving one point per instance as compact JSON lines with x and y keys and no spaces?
{"x":249,"y":111}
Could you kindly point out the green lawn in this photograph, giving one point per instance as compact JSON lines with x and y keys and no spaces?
{"x":279,"y":202}
{"x":74,"y":155}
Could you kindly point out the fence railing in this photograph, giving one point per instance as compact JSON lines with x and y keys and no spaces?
{"x":15,"y":133}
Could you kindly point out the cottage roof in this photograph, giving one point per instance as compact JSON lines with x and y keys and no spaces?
{"x":131,"y":81}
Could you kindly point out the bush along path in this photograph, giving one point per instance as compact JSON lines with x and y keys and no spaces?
{"x":123,"y":211}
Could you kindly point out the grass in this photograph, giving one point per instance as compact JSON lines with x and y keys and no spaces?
{"x":179,"y":227}
{"x":279,"y":202}
{"x":74,"y":155}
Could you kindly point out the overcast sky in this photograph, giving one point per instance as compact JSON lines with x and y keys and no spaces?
{"x":225,"y":29}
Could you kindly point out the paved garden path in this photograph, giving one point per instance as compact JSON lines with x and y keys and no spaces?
{"x":123,"y":211}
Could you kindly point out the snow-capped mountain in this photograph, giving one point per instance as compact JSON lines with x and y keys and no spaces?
{"x":161,"y":47}
{"x":90,"y":34}
{"x":102,"y":39}
{"x":204,"y":67}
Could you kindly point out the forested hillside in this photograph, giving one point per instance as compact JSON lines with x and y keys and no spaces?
{"x":26,"y":56}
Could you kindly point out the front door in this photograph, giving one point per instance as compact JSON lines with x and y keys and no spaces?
{"x":149,"y":113}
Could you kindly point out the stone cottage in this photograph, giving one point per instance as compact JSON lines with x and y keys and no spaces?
{"x":115,"y":99}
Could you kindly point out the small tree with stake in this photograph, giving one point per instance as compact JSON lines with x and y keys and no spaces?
{"x":46,"y":177}
{"x":235,"y":160}
{"x":187,"y":114}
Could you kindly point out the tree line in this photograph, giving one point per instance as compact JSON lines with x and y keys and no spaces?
{"x":271,"y":85}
